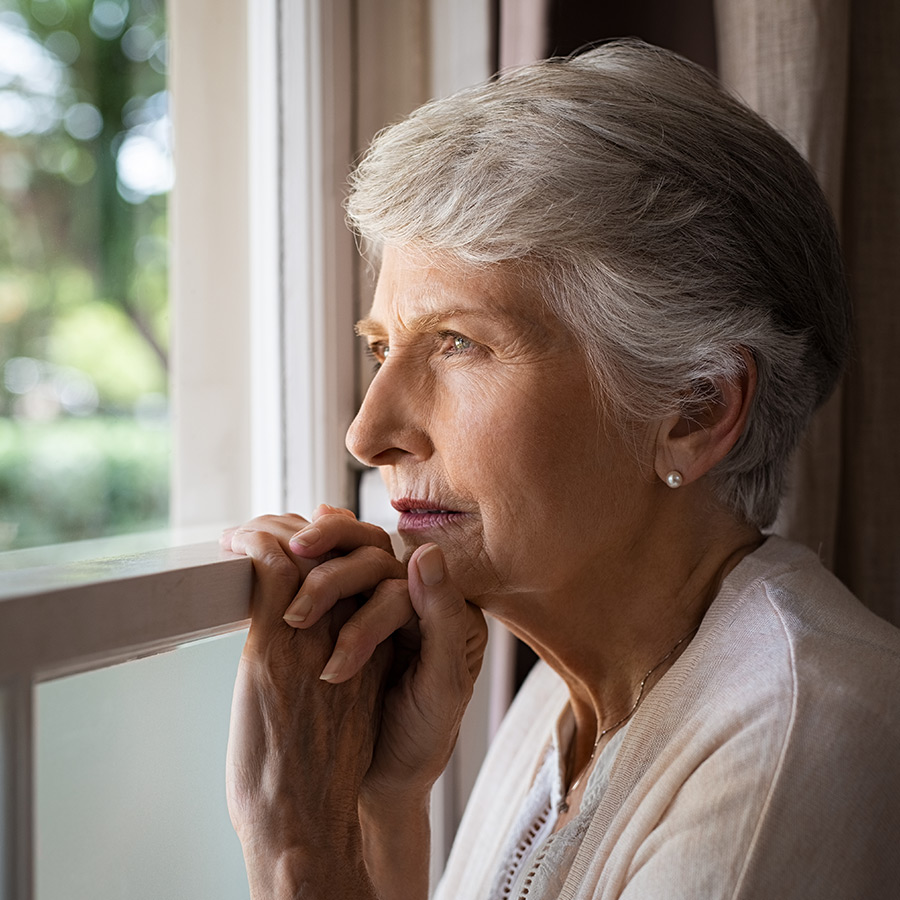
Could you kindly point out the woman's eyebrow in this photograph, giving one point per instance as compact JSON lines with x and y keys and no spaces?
{"x":369,"y":327}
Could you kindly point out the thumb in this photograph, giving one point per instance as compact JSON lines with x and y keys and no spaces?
{"x":453,"y":632}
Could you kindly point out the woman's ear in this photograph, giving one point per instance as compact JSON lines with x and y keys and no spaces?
{"x":691,"y":443}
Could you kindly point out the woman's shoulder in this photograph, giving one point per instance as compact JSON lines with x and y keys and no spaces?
{"x":783,"y":596}
{"x":787,"y":637}
{"x":789,"y":675}
{"x":778,"y":726}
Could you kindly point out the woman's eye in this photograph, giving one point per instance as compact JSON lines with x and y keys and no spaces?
{"x":459,"y":344}
{"x":378,"y":353}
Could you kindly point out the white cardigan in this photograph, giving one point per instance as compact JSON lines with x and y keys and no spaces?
{"x":765,"y":764}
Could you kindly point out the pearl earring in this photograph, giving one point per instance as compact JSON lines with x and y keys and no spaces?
{"x":674,"y":479}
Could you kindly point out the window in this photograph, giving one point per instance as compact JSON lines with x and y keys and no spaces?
{"x":264,"y":280}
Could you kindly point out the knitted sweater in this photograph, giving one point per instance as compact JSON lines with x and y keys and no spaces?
{"x":765,"y":764}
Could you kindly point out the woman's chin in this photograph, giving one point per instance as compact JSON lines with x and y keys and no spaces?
{"x":466,"y":570}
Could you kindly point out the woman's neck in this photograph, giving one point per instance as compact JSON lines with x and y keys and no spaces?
{"x":613,"y":628}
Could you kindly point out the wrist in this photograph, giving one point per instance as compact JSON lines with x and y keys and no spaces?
{"x":302,"y":875}
{"x":397,"y":845}
{"x":328,"y":863}
{"x":385,"y":809}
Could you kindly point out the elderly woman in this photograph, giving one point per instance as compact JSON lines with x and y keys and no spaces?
{"x":609,"y":300}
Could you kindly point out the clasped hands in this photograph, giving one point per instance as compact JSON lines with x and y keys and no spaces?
{"x":350,"y":691}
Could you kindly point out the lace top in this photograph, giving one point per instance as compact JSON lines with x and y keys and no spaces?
{"x":537,"y":859}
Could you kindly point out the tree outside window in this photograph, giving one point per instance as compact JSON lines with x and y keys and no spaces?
{"x":85,"y":167}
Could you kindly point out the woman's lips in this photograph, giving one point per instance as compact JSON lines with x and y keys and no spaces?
{"x":420,"y":515}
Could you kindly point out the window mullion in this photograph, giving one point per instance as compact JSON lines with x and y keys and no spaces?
{"x":16,"y":789}
{"x":318,"y":257}
{"x":267,"y":245}
{"x":209,"y":213}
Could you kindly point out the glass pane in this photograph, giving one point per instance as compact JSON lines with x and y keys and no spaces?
{"x":130,"y":772}
{"x":85,"y":167}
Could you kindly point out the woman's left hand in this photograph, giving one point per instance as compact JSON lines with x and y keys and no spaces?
{"x":298,"y":748}
{"x":437,"y":640}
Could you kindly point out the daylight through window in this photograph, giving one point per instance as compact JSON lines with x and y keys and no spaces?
{"x":85,"y":167}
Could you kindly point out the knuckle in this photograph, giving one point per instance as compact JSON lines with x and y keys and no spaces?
{"x":369,"y":554}
{"x":330,"y":523}
{"x":278,"y":564}
{"x":392,"y":598}
{"x":380,"y":537}
{"x":333,"y":512}
{"x":267,"y":552}
{"x":382,"y":563}
{"x":262,"y":521}
{"x":393,"y":589}
{"x":345,"y":525}
{"x":270,"y":521}
{"x":321,"y":580}
{"x":353,"y":633}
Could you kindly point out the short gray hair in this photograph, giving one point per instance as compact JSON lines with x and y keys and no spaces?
{"x":666,"y":224}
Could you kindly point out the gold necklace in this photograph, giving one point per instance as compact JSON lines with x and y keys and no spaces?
{"x":563,"y":805}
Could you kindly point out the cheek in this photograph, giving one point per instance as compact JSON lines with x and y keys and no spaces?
{"x":517,"y":446}
{"x":540,"y":455}
{"x":486,"y":423}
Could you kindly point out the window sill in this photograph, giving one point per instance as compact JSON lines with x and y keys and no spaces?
{"x":101,"y":603}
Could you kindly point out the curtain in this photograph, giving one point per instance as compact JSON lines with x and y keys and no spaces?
{"x":522,"y":32}
{"x":827,"y":74}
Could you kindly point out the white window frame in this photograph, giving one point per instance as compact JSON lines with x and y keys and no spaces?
{"x":256,"y":232}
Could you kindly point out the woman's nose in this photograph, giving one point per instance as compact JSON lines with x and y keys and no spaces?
{"x":390,"y":423}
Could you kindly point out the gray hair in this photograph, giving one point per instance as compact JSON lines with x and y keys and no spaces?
{"x":667,"y":225}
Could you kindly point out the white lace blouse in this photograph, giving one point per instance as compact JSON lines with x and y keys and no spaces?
{"x":536,"y":860}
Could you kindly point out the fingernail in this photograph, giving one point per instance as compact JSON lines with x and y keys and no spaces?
{"x":299,"y":609}
{"x":334,"y":666}
{"x":307,"y":537}
{"x":431,"y":566}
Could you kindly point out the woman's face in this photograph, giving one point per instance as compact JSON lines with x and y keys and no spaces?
{"x":482,"y":421}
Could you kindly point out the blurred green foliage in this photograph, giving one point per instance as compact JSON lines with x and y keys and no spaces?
{"x":85,"y":168}
{"x":74,"y":478}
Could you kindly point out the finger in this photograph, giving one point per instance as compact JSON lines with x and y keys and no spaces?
{"x":225,"y":537}
{"x":241,"y":536}
{"x":277,"y":580}
{"x":282,"y":527}
{"x":324,"y":509}
{"x":388,"y":610}
{"x":360,"y":571}
{"x":340,"y":531}
{"x":453,"y":631}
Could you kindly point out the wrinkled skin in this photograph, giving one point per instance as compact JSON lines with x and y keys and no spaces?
{"x":308,"y":759}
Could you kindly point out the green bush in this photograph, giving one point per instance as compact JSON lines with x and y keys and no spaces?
{"x":71,"y":479}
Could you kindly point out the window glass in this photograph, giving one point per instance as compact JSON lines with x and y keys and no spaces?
{"x":85,"y":167}
{"x":130,"y":780}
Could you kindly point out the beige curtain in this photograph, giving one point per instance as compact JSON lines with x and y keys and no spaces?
{"x":827,"y":74}
{"x":522,"y":32}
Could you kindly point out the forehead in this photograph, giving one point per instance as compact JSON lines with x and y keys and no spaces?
{"x":416,"y":290}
